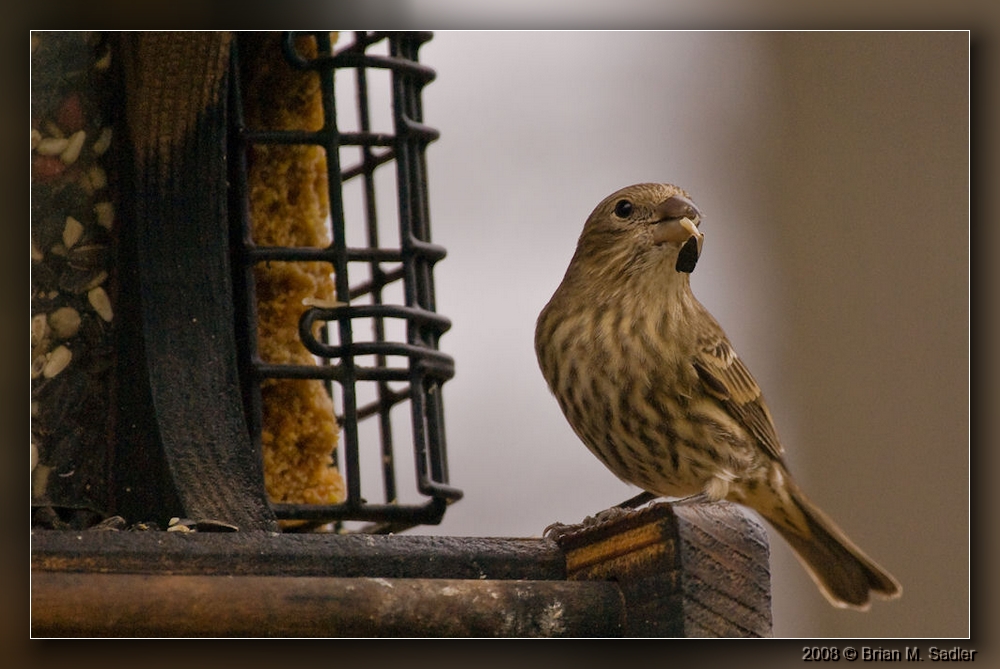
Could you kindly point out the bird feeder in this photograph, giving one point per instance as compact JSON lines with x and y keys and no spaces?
{"x":237,"y":383}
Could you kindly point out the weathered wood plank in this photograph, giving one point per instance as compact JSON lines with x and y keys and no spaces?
{"x":266,"y":553}
{"x":71,"y":604}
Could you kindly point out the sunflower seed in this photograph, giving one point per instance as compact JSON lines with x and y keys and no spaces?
{"x":96,"y":280}
{"x":105,"y":212}
{"x":40,"y":481}
{"x":113,"y":523}
{"x":57,"y":361}
{"x":51,"y":146}
{"x":73,"y":147}
{"x":72,"y":232}
{"x":38,"y":365}
{"x":212,"y":525}
{"x":64,"y":322}
{"x":98,"y":299}
{"x":39,"y":329}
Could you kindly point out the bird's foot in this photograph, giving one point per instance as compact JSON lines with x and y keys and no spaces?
{"x":558,"y":530}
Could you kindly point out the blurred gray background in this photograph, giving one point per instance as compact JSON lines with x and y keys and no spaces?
{"x":832,"y":171}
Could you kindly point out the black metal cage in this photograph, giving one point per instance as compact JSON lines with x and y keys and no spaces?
{"x":367,"y":374}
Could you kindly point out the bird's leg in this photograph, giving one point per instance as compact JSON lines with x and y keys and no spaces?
{"x":637,"y":501}
{"x":697,"y":498}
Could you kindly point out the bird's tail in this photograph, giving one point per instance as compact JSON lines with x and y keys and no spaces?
{"x":844,"y":574}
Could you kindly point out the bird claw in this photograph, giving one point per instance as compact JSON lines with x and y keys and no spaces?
{"x":557,"y":531}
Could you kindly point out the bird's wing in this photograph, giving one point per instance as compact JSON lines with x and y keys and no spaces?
{"x":724,"y":376}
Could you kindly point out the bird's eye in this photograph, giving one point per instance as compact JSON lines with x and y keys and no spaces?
{"x":623,"y":209}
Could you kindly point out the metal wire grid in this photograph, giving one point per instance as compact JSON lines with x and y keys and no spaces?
{"x":424,"y":367}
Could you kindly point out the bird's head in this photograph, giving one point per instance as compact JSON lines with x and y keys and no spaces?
{"x":642,"y":226}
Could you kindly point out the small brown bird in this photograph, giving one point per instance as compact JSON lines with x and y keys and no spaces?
{"x":650,"y":383}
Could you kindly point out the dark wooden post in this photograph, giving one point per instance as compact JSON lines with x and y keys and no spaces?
{"x":183,"y":434}
{"x":684,"y":570}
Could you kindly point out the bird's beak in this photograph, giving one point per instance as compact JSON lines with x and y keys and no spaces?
{"x":677,"y":222}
